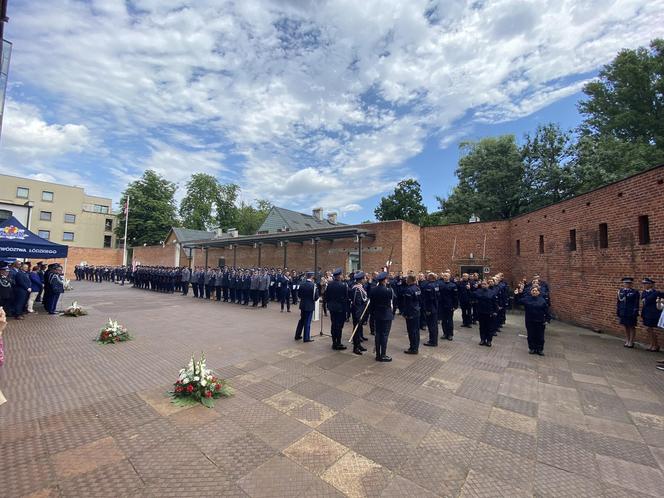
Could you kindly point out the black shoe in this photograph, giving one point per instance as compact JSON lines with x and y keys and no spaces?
{"x":482,"y":343}
{"x":487,"y":344}
{"x":531,"y":351}
{"x":363,"y":339}
{"x":361,"y":348}
{"x":309,"y":340}
{"x":341,"y":347}
{"x":373,"y":333}
{"x":378,"y":358}
{"x":449,"y":338}
{"x":386,"y":359}
{"x":357,"y":351}
{"x":288,"y":311}
{"x":539,"y":353}
{"x":410,"y":351}
{"x":429,"y":344}
{"x":298,"y":338}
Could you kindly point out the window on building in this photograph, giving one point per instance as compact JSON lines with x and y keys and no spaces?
{"x":69,"y":236}
{"x":541,"y":244}
{"x":572,"y":240}
{"x":644,"y":230}
{"x":107,"y":240}
{"x":108,"y":225}
{"x":47,"y":196}
{"x":22,"y":192}
{"x":518,"y":247}
{"x":5,"y":215}
{"x":45,"y":234}
{"x":603,"y":235}
{"x":98,"y":208}
{"x":70,"y":218}
{"x":45,"y":215}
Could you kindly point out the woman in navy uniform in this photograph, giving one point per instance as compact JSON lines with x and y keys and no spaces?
{"x":284,"y":289}
{"x":627,"y":309}
{"x":430,"y":303}
{"x":649,"y":312}
{"x":537,"y":314}
{"x":486,"y":304}
{"x":410,"y":309}
{"x":336,"y":296}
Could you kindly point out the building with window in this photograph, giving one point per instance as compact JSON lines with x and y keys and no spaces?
{"x":60,"y":213}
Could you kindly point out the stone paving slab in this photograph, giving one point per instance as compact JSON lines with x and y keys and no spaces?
{"x":306,"y":421}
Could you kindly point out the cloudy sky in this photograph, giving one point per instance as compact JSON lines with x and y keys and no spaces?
{"x":302,"y":102}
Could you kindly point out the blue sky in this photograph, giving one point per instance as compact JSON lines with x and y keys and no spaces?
{"x":302,"y":102}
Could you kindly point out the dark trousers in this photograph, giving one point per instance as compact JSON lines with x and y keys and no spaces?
{"x":475,"y":313}
{"x":284,"y":299}
{"x":337,"y":320}
{"x":208,"y":291}
{"x":244,"y":295}
{"x":357,"y":338}
{"x":254,"y":297}
{"x":264,"y":297}
{"x":432,"y":325}
{"x":413,"y":327}
{"x":20,"y":300}
{"x":372,"y":324}
{"x":52,"y":302}
{"x":185,"y":288}
{"x":304,"y":324}
{"x":486,"y":327}
{"x":447,"y":322}
{"x":232,"y":292}
{"x":201,"y":291}
{"x":225,"y":294}
{"x":535,"y":335}
{"x":382,"y":334}
{"x":217,"y":292}
{"x":194,"y":288}
{"x":466,"y":315}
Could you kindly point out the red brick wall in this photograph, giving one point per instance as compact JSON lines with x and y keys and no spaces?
{"x":451,"y":246}
{"x":584,"y":282}
{"x":93,"y":256}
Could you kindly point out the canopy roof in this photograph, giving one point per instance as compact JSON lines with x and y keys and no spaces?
{"x":16,"y":241}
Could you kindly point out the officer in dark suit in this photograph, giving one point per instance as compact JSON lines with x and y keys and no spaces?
{"x":430,"y":301}
{"x":465,"y":292}
{"x":649,"y":312}
{"x":337,"y":297}
{"x":537,"y":314}
{"x":308,"y":294}
{"x":486,"y":301}
{"x":410,"y":309}
{"x":627,"y":309}
{"x":381,"y":308}
{"x":448,"y":301}
{"x":22,"y":289}
{"x":358,"y":304}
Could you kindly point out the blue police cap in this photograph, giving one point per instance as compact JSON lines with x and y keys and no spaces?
{"x":359,"y":275}
{"x":336,"y":272}
{"x":647,"y":280}
{"x":310,"y":274}
{"x":627,"y":280}
{"x":382,"y":276}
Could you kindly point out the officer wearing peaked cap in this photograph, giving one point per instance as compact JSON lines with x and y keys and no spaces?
{"x":381,"y":307}
{"x":337,"y":297}
{"x":627,"y":309}
{"x":308,"y":293}
{"x":649,"y":312}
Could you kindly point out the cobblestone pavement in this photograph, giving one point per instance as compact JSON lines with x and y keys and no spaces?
{"x":84,"y":419}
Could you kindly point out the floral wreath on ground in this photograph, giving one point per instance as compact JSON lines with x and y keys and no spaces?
{"x":113,"y":332}
{"x":74,"y":310}
{"x":67,"y":285}
{"x":198,"y":384}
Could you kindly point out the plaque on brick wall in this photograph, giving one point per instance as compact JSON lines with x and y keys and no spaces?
{"x":487,"y":269}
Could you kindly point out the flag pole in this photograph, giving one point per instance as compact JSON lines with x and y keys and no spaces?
{"x":124,"y":251}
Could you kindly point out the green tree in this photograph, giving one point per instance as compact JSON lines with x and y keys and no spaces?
{"x":227,"y":210}
{"x":198,"y":205}
{"x":491,"y":182}
{"x":623,"y":128}
{"x":250,"y":218}
{"x":152,"y":210}
{"x":548,"y":175}
{"x":405,"y":203}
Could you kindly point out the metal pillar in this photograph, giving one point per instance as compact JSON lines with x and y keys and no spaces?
{"x":316,"y":240}
{"x":260,"y":250}
{"x":359,"y":250}
{"x":285,"y":254}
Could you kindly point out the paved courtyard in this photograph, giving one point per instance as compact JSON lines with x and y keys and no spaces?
{"x":83,"y":419}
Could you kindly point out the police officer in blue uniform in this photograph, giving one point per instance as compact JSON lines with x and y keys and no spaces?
{"x":410,"y":310}
{"x":358,"y":304}
{"x":448,"y":301}
{"x":430,"y":303}
{"x":337,"y":298}
{"x":486,"y":306}
{"x":649,"y":312}
{"x":308,"y":294}
{"x":537,"y":314}
{"x":382,"y":309}
{"x":627,"y":309}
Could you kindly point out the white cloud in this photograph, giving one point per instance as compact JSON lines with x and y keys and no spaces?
{"x":322,"y":102}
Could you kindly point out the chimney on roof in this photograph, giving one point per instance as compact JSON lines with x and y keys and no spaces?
{"x":332,"y":218}
{"x":318,"y":213}
{"x":232,"y":232}
{"x":218,"y":233}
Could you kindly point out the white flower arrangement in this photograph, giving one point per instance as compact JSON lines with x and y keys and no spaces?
{"x":113,"y":332}
{"x":196,"y":383}
{"x":74,"y":310}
